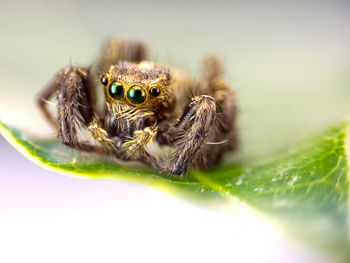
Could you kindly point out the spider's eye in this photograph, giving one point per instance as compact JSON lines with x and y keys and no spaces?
{"x":116,"y":90}
{"x":104,"y":80}
{"x":154,"y":91}
{"x":136,"y":94}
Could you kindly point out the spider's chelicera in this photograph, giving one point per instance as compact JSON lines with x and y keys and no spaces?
{"x":145,"y":102}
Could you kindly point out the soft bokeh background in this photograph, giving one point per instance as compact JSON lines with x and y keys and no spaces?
{"x":288,"y":62}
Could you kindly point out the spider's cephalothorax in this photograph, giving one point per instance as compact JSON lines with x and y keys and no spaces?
{"x":145,"y":103}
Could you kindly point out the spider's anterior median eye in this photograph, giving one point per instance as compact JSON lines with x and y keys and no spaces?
{"x":136,"y":94}
{"x":116,"y":90}
{"x":154,"y":91}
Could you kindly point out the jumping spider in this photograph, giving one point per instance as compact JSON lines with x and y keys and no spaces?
{"x":144,"y":102}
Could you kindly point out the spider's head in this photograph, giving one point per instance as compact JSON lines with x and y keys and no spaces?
{"x":143,"y":86}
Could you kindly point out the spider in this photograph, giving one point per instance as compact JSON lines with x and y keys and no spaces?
{"x":144,"y":102}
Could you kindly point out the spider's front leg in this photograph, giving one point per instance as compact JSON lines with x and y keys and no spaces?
{"x":192,"y":130}
{"x":74,"y":105}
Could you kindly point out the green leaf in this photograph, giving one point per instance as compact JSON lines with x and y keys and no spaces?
{"x":305,"y":191}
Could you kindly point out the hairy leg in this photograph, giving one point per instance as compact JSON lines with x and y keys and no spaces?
{"x":223,"y":137}
{"x":116,"y":50}
{"x":45,"y":97}
{"x":74,"y":106}
{"x":192,"y":131}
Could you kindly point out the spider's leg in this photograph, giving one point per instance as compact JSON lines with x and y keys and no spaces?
{"x":74,"y":105}
{"x":223,"y":137}
{"x":153,"y":161}
{"x":192,"y":130}
{"x":44,"y":100}
{"x":116,"y":50}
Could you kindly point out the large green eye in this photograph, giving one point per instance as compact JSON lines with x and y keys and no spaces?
{"x":136,"y":95}
{"x":116,"y":90}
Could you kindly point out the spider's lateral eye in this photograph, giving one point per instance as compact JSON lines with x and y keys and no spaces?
{"x":104,"y":80}
{"x":116,"y":90}
{"x":136,"y":94}
{"x":154,"y":91}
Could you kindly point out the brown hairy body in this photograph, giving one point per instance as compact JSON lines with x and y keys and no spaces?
{"x":143,"y":103}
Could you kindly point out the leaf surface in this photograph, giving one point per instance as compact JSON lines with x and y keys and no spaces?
{"x":304,"y":192}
